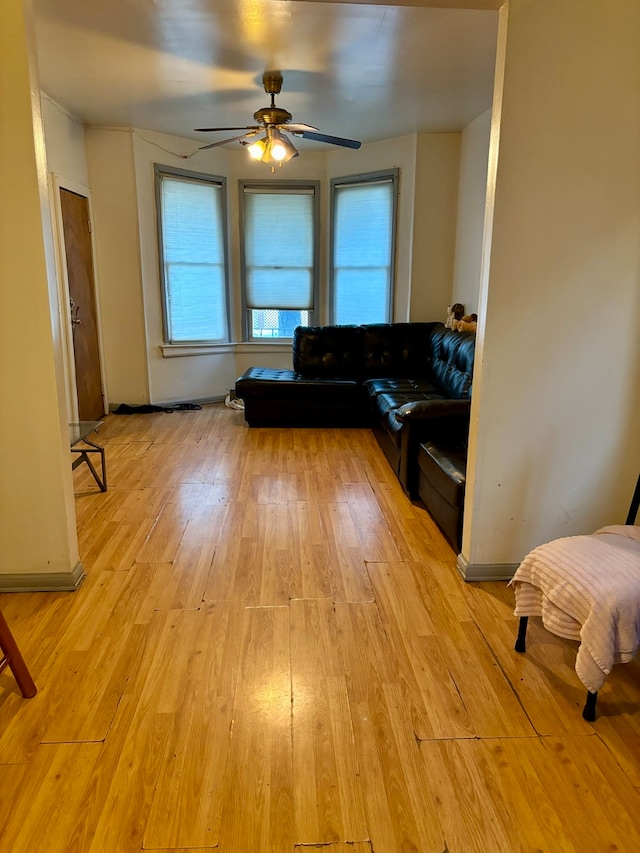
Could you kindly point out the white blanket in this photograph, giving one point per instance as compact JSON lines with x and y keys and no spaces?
{"x":587,"y":588}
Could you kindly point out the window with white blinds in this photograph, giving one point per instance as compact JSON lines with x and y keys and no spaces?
{"x":193,"y":261}
{"x":363,"y":214}
{"x":280,"y":257}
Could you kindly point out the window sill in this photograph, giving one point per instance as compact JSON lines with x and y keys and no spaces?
{"x":267,"y":345}
{"x":181,"y":350}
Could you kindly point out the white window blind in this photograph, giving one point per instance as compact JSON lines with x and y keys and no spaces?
{"x":193,"y":259}
{"x":363,"y":251}
{"x":279,"y":249}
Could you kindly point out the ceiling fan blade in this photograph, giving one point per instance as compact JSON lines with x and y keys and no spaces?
{"x":229,"y":139}
{"x":210,"y":129}
{"x":332,"y":140}
{"x":294,"y":127}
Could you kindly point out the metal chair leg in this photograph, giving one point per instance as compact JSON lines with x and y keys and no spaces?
{"x":521,"y":641}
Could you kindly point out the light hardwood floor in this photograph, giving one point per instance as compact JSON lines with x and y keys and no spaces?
{"x":273,"y":652}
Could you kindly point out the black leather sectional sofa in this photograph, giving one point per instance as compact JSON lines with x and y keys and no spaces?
{"x":409,"y":382}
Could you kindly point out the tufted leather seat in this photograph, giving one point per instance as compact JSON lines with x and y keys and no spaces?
{"x":286,"y":398}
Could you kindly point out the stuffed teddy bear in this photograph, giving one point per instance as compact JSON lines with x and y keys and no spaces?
{"x":455,"y":312}
{"x":468,"y":323}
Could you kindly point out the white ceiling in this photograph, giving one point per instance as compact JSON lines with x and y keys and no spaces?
{"x":367,"y":72}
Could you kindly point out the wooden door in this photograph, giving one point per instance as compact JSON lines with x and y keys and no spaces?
{"x":79,"y":257}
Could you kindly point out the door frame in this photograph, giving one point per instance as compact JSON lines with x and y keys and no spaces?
{"x":71,"y":392}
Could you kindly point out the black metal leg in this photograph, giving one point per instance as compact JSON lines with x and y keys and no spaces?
{"x":521,"y":642}
{"x":589,"y":711}
{"x":102,"y":483}
{"x":635,"y":505}
{"x":83,"y":456}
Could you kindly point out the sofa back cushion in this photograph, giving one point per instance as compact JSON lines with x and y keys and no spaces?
{"x":416,"y":351}
{"x":397,"y":349}
{"x":453,"y":354}
{"x":328,"y":352}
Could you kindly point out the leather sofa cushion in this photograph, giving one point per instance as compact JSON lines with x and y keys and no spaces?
{"x":387,"y":351}
{"x":412,"y":388}
{"x":268,"y":383}
{"x":328,"y":351}
{"x":397,"y":349}
{"x":452,"y":362}
{"x":445,"y":468}
{"x":385,"y":405}
{"x":441,"y":482}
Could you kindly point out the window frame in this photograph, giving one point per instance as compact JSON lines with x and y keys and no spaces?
{"x":274,"y":187}
{"x":160,"y":170}
{"x":384,"y":175}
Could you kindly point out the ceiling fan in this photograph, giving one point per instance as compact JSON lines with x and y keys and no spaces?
{"x":274,"y":146}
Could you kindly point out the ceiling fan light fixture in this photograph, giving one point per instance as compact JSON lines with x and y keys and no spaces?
{"x":257,"y":149}
{"x":278,"y":151}
{"x":275,"y":146}
{"x":279,"y":146}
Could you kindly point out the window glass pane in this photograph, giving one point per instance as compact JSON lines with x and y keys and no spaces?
{"x":363,"y":225}
{"x":195,"y":302}
{"x":279,"y":242}
{"x":363,"y":233}
{"x":362,"y":295}
{"x":192,"y":230}
{"x":271,"y":323}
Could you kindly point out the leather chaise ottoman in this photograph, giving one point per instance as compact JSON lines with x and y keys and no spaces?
{"x":442,"y":472}
{"x":274,"y":397}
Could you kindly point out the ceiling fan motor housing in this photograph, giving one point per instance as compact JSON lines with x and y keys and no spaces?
{"x":272,"y":116}
{"x":272,"y":82}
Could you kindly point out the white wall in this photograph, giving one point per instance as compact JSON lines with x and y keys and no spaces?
{"x":472,"y":193}
{"x":556,"y":409}
{"x":434,"y":224}
{"x":37,"y":514}
{"x":115,"y":208}
{"x":66,"y":143}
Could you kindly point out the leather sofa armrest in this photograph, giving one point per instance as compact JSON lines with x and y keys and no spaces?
{"x":424,"y":410}
{"x":440,"y":420}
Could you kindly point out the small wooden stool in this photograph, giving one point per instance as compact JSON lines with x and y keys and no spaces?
{"x":12,"y":658}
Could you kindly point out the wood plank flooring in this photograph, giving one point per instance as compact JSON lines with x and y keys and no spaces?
{"x":273,"y":652}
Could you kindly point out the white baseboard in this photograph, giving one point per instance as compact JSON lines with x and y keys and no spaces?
{"x":485,"y":571}
{"x":43,"y":581}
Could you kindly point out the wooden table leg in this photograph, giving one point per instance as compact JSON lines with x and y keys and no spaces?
{"x":14,"y":660}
